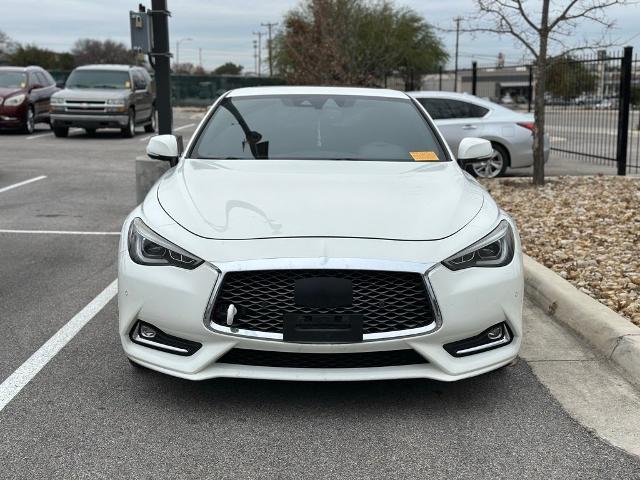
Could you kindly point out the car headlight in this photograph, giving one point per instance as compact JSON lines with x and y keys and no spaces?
{"x":15,"y":100}
{"x":146,"y":247}
{"x":56,"y":101}
{"x":118,"y":102}
{"x":494,"y":250}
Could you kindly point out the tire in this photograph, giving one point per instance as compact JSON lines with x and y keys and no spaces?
{"x":151,"y":127}
{"x":61,"y":131}
{"x":130,"y":130}
{"x":29,"y":122}
{"x":496,"y":167}
{"x":90,"y":131}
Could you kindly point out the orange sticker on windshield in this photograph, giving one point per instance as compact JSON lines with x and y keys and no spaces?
{"x":424,"y":156}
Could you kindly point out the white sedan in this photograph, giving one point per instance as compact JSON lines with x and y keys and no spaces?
{"x":312,"y":233}
{"x":458,"y":115}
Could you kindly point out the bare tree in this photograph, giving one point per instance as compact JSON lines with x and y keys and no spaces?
{"x":541,"y":27}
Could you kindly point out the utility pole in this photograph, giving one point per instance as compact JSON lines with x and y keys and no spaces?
{"x":455,"y":74}
{"x":269,"y":26}
{"x":161,"y":56}
{"x":200,"y":56}
{"x":255,"y":56}
{"x":259,"y":34}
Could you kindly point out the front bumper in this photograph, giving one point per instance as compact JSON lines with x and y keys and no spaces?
{"x":89,"y":121}
{"x":13,"y":117}
{"x":177,"y":301}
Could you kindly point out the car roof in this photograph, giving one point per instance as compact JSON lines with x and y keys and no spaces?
{"x":105,"y":66}
{"x":282,"y":90}
{"x":465,"y":97}
{"x":8,"y":68}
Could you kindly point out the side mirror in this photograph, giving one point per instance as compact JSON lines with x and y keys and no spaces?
{"x":164,"y":147}
{"x":474,"y":150}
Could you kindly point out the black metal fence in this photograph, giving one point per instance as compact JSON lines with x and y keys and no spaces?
{"x":592,"y":109}
{"x":592,"y":102}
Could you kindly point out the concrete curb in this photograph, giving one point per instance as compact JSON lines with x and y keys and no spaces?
{"x":618,"y":339}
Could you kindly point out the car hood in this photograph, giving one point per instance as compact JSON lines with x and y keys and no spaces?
{"x":5,"y":92}
{"x":250,"y":199}
{"x":91,"y":94}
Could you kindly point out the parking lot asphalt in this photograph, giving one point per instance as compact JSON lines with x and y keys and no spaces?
{"x":89,"y":414}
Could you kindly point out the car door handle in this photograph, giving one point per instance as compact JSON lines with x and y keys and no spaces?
{"x":469,"y":127}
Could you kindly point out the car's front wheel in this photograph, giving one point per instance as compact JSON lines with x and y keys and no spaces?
{"x":151,"y":126}
{"x":130,"y":130}
{"x":29,"y":122}
{"x":494,"y":167}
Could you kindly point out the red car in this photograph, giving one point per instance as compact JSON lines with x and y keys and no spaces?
{"x":24,"y":97}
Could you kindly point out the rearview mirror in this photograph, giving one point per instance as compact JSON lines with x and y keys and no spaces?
{"x":474,"y":150}
{"x":163,"y":147}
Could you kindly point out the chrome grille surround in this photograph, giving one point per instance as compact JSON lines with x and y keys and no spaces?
{"x":324,"y":264}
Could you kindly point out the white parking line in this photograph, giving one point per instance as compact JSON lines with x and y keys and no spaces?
{"x":20,"y":184}
{"x":59,"y":232}
{"x":49,"y":134}
{"x":30,"y":368}
{"x":31,"y":137}
{"x":183,"y":127}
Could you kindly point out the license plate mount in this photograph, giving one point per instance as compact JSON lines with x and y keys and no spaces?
{"x":322,"y":328}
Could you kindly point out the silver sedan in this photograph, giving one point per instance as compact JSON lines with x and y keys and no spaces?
{"x":459,"y":115}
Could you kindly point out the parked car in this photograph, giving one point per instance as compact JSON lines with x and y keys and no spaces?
{"x":606,"y":104}
{"x":105,"y":96}
{"x":319,"y":233}
{"x":24,"y":97}
{"x":458,"y":115}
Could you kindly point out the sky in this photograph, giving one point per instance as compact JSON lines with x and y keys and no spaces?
{"x":224,"y":29}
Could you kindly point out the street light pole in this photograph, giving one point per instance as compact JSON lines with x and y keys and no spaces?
{"x":269,"y":26}
{"x":161,"y":56}
{"x":178,"y":42}
{"x":455,"y":74}
{"x":259,"y":34}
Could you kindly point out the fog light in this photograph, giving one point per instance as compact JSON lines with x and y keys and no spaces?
{"x":146,"y":331}
{"x":495,"y":333}
{"x":147,"y":335}
{"x":493,"y":337}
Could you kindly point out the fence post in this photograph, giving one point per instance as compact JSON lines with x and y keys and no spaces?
{"x":440,"y":78}
{"x":623,"y":110}
{"x":530,"y":95}
{"x":474,"y":77}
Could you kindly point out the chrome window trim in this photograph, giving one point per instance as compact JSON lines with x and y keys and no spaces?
{"x":424,"y":269}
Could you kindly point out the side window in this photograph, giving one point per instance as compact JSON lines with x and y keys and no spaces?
{"x":461,"y":109}
{"x":41,"y":79}
{"x":33,"y":80}
{"x":139,"y":81}
{"x":48,"y":78}
{"x":437,"y":107}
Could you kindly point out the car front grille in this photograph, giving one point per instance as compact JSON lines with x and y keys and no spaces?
{"x":262,"y":358}
{"x":387,"y":301}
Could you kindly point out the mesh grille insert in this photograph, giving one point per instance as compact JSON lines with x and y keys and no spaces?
{"x":388,"y":301}
{"x":260,"y":358}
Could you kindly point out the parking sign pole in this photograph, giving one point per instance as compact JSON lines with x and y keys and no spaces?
{"x":162,"y":67}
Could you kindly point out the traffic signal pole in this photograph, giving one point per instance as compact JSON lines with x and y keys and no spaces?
{"x":162,"y":64}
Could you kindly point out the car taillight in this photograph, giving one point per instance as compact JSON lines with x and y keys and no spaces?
{"x":528,"y":125}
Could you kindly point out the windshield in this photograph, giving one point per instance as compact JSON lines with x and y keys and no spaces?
{"x":318,"y":127}
{"x":98,"y":79}
{"x":13,"y":80}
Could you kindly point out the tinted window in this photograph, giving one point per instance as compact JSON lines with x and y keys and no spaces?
{"x":444,"y":108}
{"x":41,"y":79}
{"x":98,"y":79}
{"x":139,"y":81}
{"x":338,"y":127}
{"x":9,"y":79}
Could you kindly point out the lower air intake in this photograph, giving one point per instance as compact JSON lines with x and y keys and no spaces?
{"x":262,"y":358}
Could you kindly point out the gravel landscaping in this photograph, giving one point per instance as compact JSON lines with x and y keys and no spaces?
{"x":586,"y":229}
